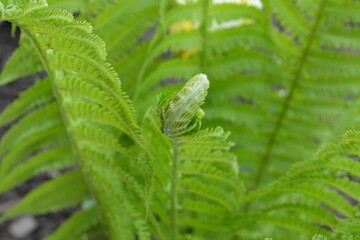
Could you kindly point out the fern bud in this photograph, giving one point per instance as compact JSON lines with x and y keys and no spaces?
{"x":181,"y":113}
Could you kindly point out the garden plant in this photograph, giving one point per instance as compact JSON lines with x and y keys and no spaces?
{"x":187,"y":120}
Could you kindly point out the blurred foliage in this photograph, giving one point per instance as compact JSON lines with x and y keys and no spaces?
{"x":143,"y":160}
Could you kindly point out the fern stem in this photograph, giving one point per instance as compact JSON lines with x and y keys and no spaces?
{"x":203,"y":32}
{"x":295,"y":84}
{"x":173,"y":194}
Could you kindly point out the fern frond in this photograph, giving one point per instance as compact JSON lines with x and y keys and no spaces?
{"x":193,"y":166}
{"x":289,"y":14}
{"x":86,"y":9}
{"x":75,"y":227}
{"x":46,"y":117}
{"x":93,"y":136}
{"x":316,"y":214}
{"x":23,"y":62}
{"x":349,"y":230}
{"x":284,"y":79}
{"x":84,"y":90}
{"x":56,"y":158}
{"x":293,"y":223}
{"x":65,"y":191}
{"x":323,"y":182}
{"x":123,"y":208}
{"x":75,"y":61}
{"x":122,"y":24}
{"x":17,"y":132}
{"x":251,"y":36}
{"x":176,"y":68}
{"x":281,"y":90}
{"x":227,"y":11}
{"x":184,"y":12}
{"x":319,"y":237}
{"x":40,"y":93}
{"x":298,"y":107}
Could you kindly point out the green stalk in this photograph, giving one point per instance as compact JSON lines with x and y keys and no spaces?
{"x":173,"y":194}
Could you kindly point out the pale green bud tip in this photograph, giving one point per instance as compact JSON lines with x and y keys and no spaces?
{"x":203,"y":80}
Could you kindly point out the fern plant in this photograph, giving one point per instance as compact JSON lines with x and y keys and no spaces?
{"x":281,"y":91}
{"x":271,"y":88}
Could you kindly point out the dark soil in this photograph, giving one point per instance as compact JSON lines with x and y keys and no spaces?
{"x":48,"y":222}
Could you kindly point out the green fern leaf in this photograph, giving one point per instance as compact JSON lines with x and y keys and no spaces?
{"x":323,"y":182}
{"x":78,"y":224}
{"x":56,"y":158}
{"x":65,"y":191}
{"x":23,"y":62}
{"x":34,"y":96}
